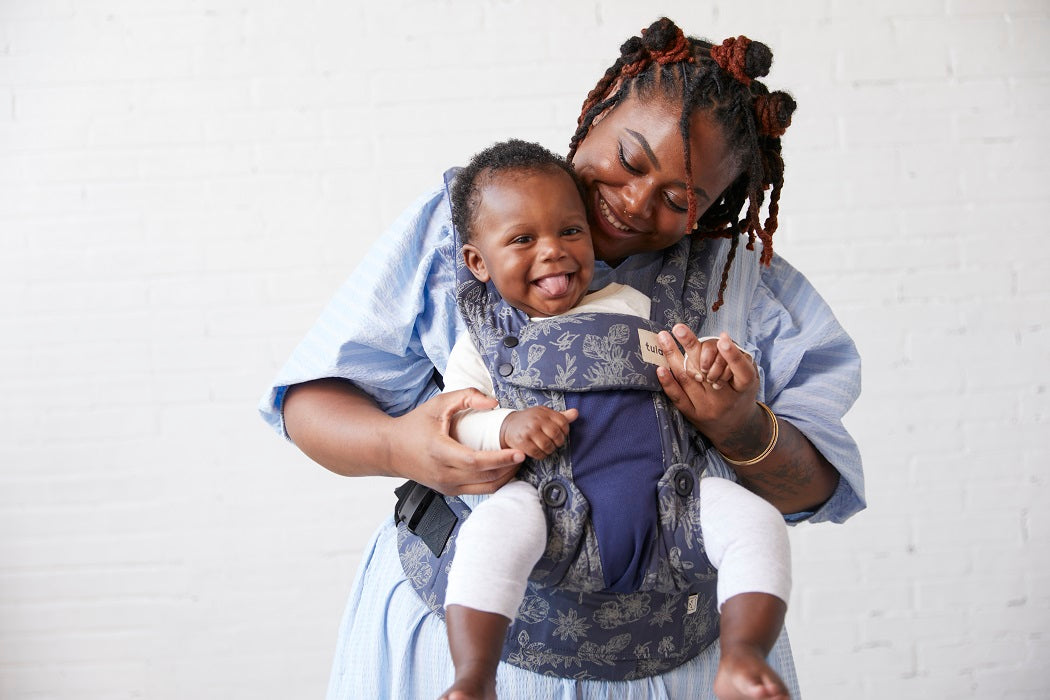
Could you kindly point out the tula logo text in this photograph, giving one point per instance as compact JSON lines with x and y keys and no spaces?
{"x":650,"y":348}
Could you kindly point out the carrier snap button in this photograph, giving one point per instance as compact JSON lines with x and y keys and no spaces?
{"x":506,"y":369}
{"x":554,"y":494}
{"x":683,"y":483}
{"x":510,"y":341}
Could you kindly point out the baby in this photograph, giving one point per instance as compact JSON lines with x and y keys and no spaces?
{"x":523,"y":224}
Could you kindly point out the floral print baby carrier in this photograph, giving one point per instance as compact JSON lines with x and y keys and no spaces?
{"x":575,"y":621}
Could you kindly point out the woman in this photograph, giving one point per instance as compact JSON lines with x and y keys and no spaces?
{"x":356,"y":395}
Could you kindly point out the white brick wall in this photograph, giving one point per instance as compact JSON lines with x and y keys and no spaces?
{"x":183,"y":184}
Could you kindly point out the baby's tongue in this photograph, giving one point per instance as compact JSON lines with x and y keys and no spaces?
{"x":555,"y":285}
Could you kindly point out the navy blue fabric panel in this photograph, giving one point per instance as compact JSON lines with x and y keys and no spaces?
{"x":617,"y":461}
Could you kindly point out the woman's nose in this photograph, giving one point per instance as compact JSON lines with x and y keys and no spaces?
{"x":638,"y":199}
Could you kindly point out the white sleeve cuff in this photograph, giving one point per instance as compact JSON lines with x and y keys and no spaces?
{"x":480,"y":429}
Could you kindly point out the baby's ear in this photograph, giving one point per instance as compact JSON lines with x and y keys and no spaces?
{"x":475,"y":263}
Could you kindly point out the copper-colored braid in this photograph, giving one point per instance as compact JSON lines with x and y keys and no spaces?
{"x":777,"y":169}
{"x":773,"y":113}
{"x":690,"y":195}
{"x":731,"y":56}
{"x":635,"y":57}
{"x":683,"y":128}
{"x":733,"y":242}
{"x":677,"y":51}
{"x":600,"y":90}
{"x":754,"y":226}
{"x":680,"y":50}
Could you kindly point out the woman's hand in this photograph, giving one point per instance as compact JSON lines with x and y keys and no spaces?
{"x":716,"y":391}
{"x":793,"y":476}
{"x":433,"y":458}
{"x":342,"y":429}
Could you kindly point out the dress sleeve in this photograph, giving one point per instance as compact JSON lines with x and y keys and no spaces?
{"x":811,"y":377}
{"x":391,"y":324}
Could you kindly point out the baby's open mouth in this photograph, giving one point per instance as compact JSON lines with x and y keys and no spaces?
{"x":554,"y":285}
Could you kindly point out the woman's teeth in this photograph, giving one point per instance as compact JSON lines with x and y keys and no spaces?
{"x":608,"y":215}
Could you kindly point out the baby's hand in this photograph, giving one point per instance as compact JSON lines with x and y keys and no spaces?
{"x":536,"y":431}
{"x":712,"y":365}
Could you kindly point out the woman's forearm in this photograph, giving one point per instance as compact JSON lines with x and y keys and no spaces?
{"x":343,"y":430}
{"x":794,"y":477}
{"x":339,"y":427}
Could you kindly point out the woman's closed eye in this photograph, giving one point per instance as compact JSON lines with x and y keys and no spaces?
{"x":672,"y":199}
{"x":625,"y":162}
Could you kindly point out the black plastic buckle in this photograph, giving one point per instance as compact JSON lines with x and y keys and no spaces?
{"x":425,"y":514}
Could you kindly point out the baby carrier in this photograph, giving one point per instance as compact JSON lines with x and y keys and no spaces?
{"x":657,"y":609}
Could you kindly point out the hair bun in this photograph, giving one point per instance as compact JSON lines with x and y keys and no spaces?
{"x":773,"y":113}
{"x":757,"y":59}
{"x":661,"y":42}
{"x":630,"y":48}
{"x":742,"y":58}
{"x":661,"y":35}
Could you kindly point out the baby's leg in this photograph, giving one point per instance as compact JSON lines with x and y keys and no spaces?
{"x":749,"y":627}
{"x":746,"y":539}
{"x":496,"y":548}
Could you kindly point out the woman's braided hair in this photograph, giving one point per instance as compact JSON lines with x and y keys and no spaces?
{"x":720,"y":81}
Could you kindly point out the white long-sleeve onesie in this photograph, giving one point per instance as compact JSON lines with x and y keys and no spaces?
{"x":744,"y":536}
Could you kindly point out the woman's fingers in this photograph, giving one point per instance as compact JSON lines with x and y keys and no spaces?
{"x":674,"y":391}
{"x":683,"y":366}
{"x":720,"y":362}
{"x":740,"y":366}
{"x":453,"y":468}
{"x":453,"y":402}
{"x":462,"y":470}
{"x":473,"y":466}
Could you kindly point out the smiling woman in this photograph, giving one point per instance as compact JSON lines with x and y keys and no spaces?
{"x":676,"y":147}
{"x":634,"y":166}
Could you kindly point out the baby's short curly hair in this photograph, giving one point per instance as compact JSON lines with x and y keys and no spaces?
{"x":511,"y":156}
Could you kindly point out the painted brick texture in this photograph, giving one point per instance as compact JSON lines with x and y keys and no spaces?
{"x":184,"y":184}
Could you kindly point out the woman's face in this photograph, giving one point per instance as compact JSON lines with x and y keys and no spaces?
{"x":631,"y":163}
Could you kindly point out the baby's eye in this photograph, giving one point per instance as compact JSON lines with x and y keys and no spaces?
{"x":572,"y":231}
{"x":522,"y":240}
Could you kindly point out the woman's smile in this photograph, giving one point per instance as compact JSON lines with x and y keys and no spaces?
{"x":607,"y":214}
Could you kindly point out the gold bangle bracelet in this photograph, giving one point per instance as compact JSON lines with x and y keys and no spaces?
{"x":769,"y":448}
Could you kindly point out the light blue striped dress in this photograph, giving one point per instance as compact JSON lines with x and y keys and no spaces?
{"x":395,"y":320}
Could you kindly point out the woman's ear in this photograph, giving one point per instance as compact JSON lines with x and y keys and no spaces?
{"x":475,"y":263}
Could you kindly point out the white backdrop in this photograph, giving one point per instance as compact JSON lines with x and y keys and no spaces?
{"x":184,"y":183}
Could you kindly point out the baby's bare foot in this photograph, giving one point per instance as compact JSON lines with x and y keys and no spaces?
{"x":471,"y":687}
{"x":743,"y":674}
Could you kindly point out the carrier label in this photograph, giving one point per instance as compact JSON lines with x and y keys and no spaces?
{"x":650,"y":348}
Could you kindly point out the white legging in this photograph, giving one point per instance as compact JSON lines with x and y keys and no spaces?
{"x":744,"y":536}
